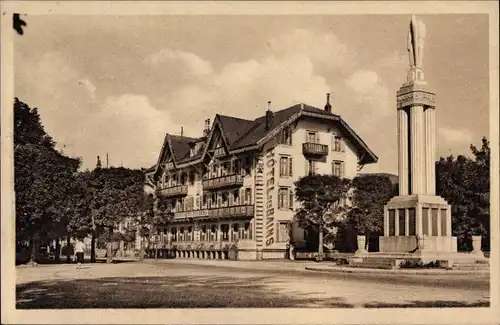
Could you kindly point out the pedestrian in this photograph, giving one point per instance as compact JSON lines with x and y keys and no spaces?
{"x":79,"y":250}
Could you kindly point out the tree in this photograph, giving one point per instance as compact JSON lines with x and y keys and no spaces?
{"x":28,"y":128}
{"x":323,"y":199}
{"x":370,"y":192}
{"x":114,"y":194}
{"x":156,"y":214}
{"x":465,"y":183}
{"x":44,"y":179}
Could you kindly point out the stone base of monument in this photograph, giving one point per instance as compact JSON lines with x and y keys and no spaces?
{"x":417,"y":229}
{"x":457,"y":260}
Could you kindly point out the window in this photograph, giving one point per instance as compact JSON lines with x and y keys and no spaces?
{"x":225,"y":231}
{"x":236,"y":197}
{"x":312,"y":137}
{"x":181,"y":234}
{"x":203,"y":234}
{"x":225,"y":169}
{"x":248,"y":231}
{"x":191,"y":178}
{"x":224,"y":197}
{"x":285,"y":166}
{"x":190,"y":234}
{"x":183,"y":179}
{"x":285,"y":198}
{"x":237,"y":167}
{"x":283,"y":232}
{"x":235,"y":234}
{"x":248,"y":165}
{"x":311,"y":167}
{"x":285,"y":137}
{"x":213,"y":233}
{"x":338,"y":168}
{"x":248,"y":195}
{"x":173,"y":232}
{"x":336,"y":143}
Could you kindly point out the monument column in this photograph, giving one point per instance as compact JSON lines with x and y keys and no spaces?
{"x":416,"y":166}
{"x":403,"y":151}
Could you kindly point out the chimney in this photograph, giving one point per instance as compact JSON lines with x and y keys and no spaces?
{"x":182,"y":131}
{"x":98,"y":165}
{"x":328,"y":107}
{"x":107,"y":160}
{"x":269,"y":116}
{"x":206,"y":130}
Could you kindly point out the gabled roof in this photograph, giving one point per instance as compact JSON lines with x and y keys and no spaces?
{"x":180,"y":146}
{"x":242,"y":134}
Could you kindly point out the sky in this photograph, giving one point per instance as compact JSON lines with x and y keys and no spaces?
{"x":117,"y":84}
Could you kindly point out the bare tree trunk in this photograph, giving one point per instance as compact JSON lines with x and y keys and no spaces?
{"x":109,"y":258}
{"x":92,"y":248}
{"x":320,"y":245}
{"x":57,"y":253}
{"x":68,"y":248}
{"x":34,"y":250}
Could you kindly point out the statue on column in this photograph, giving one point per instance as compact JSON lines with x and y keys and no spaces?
{"x":416,"y":42}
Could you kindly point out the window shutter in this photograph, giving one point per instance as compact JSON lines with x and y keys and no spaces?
{"x":342,"y":144}
{"x":307,"y":168}
{"x":342,"y":170}
{"x":290,"y":200}
{"x":290,"y":136}
{"x":290,"y":166}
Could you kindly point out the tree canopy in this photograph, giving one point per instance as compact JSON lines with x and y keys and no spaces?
{"x":322,"y":199}
{"x":465,"y":183}
{"x":44,"y":180}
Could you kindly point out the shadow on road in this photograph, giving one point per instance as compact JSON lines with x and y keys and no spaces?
{"x":428,"y":304}
{"x":186,"y":292}
{"x":163,"y":292}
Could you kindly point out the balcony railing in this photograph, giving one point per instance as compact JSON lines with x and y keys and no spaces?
{"x":317,"y":149}
{"x":179,"y":190}
{"x":223,"y":181}
{"x":224,"y":212}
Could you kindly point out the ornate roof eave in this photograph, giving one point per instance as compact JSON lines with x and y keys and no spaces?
{"x":166,"y":142}
{"x":218,"y":124}
{"x":369,"y":158}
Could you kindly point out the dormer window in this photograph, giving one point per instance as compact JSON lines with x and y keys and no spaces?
{"x":285,"y":137}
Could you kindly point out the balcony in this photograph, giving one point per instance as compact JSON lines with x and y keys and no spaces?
{"x":179,"y":190}
{"x":314,"y":149}
{"x":222,"y":213}
{"x":234,"y":180}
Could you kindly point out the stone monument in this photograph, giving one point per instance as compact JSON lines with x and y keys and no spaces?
{"x":417,"y":221}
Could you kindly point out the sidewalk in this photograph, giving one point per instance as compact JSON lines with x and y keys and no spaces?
{"x":345,"y":269}
{"x":286,"y":265}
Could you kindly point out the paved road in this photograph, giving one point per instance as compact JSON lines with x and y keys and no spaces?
{"x":173,"y":284}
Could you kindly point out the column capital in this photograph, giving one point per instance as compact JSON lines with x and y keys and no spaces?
{"x":415,"y":94}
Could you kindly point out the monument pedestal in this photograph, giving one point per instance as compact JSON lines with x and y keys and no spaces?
{"x":417,"y":224}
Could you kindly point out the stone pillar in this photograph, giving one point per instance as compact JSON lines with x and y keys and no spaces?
{"x":430,"y":151}
{"x":386,"y":221}
{"x":407,"y":222}
{"x":396,"y":223}
{"x":403,"y":151}
{"x":417,"y":149}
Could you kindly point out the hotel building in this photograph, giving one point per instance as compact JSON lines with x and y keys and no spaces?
{"x":232,"y":190}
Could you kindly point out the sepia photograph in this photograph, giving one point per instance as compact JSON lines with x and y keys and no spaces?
{"x":280,"y":156}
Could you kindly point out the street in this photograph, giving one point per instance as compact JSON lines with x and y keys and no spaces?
{"x":181,"y":284}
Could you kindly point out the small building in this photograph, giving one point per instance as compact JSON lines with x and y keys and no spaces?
{"x":231,"y":191}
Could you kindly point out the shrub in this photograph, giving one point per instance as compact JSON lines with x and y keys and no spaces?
{"x":419,"y":265}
